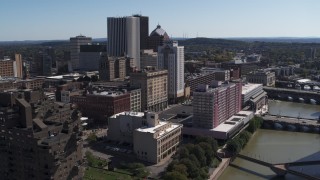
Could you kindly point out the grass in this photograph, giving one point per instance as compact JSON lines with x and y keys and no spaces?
{"x":100,"y":174}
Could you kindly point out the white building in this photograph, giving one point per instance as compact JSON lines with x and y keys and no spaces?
{"x":75,"y":43}
{"x":171,"y":57}
{"x":153,"y":140}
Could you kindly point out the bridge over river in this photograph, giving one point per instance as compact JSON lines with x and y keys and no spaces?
{"x":281,"y":169}
{"x":308,"y":125}
{"x":293,"y":94}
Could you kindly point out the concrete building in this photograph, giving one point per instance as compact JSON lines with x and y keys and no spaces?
{"x":99,"y":105}
{"x":267,"y":78}
{"x":39,"y":139}
{"x":244,"y":68}
{"x":148,"y":58}
{"x":220,"y":74}
{"x":194,"y":80}
{"x":171,"y":57}
{"x":153,"y":140}
{"x":11,"y":68}
{"x":157,"y":38}
{"x":254,"y":96}
{"x":13,"y":83}
{"x":75,"y":43}
{"x":114,"y":68}
{"x":89,"y":57}
{"x":124,"y":37}
{"x":213,"y":106}
{"x":154,"y":88}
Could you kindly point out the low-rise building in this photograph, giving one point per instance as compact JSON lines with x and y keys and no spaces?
{"x":267,"y":78}
{"x":99,"y":105}
{"x":220,"y":74}
{"x":153,"y":140}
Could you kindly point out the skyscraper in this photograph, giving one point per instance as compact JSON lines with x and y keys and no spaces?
{"x":157,"y":38}
{"x":127,"y":35}
{"x":171,"y":57}
{"x":75,"y":43}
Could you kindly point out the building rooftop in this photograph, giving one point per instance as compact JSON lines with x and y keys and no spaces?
{"x":246,"y":88}
{"x":155,"y":129}
{"x":229,"y":124}
{"x":130,"y":113}
{"x":158,"y":32}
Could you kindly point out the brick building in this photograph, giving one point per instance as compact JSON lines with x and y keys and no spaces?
{"x":39,"y":139}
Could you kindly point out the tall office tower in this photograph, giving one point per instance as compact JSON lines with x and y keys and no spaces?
{"x":39,"y":139}
{"x":213,"y":106}
{"x":157,"y":38}
{"x":90,"y":57}
{"x":124,"y":37}
{"x":153,"y":84}
{"x":41,"y":64}
{"x":144,"y":30}
{"x":75,"y":43}
{"x":171,"y":57}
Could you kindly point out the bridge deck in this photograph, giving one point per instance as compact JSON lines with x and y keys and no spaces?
{"x":284,"y":166}
{"x":291,"y":120}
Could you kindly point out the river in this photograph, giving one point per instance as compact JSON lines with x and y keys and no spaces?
{"x":278,"y":147}
{"x":293,"y":109}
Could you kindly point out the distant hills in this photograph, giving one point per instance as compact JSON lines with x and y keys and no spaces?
{"x":185,"y":41}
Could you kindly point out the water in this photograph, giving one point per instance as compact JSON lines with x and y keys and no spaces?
{"x":293,"y":109}
{"x":279,"y":146}
{"x":275,"y":147}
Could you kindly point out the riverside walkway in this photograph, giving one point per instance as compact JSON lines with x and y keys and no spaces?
{"x":282,"y":169}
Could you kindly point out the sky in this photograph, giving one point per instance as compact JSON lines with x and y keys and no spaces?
{"x":62,"y":19}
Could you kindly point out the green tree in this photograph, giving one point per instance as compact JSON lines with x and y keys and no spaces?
{"x":181,"y":168}
{"x":174,"y":175}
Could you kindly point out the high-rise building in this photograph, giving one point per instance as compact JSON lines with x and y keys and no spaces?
{"x":90,"y":56}
{"x":171,"y":57}
{"x":75,"y":43}
{"x":39,"y":139}
{"x":213,"y":106}
{"x":11,"y":68}
{"x":126,"y":36}
{"x":157,"y":38}
{"x":111,"y":68}
{"x":153,"y":84}
{"x":148,"y":58}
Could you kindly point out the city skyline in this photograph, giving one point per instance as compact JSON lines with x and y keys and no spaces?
{"x":57,"y":20}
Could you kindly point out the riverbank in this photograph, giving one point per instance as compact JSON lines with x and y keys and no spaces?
{"x":220,"y":169}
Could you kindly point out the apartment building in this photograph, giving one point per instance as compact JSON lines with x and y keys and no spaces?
{"x":215,"y":104}
{"x":39,"y":139}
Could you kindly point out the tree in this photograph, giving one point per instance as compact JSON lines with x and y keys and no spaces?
{"x":233,"y":146}
{"x":200,"y":155}
{"x":174,"y":175}
{"x":92,"y":138}
{"x":181,"y":168}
